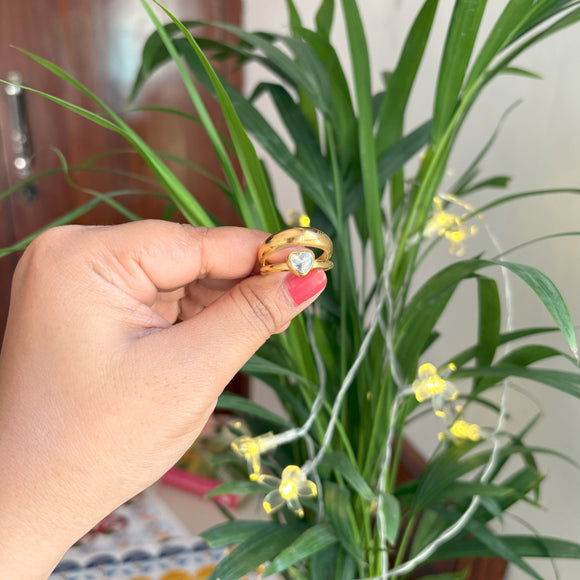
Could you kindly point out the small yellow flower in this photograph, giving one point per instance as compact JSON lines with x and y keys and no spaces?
{"x":250,"y":448}
{"x":288,"y":489}
{"x":430,"y":385}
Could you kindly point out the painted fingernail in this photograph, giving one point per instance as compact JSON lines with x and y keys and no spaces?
{"x":303,"y":288}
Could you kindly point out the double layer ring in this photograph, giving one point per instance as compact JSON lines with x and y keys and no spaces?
{"x":299,"y":261}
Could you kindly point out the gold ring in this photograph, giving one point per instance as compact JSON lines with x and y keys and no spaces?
{"x":299,"y":262}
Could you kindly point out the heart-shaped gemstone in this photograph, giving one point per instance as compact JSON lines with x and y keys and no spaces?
{"x":300,"y":262}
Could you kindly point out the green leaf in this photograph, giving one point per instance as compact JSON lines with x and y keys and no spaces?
{"x":263,"y":132}
{"x":236,"y":531}
{"x":258,"y":365}
{"x":392,"y":514}
{"x":244,"y":406}
{"x":489,"y":320}
{"x":464,"y":489}
{"x":522,"y":357}
{"x":254,"y":551}
{"x":542,"y":11}
{"x":424,"y":309}
{"x":459,"y":44}
{"x":251,"y":167}
{"x":431,"y":524}
{"x":527,"y":456}
{"x":571,"y":17}
{"x":563,"y":381}
{"x":521,"y":483}
{"x":342,"y":113}
{"x":503,"y":31}
{"x":307,"y":145}
{"x":466,"y":355}
{"x":447,"y":278}
{"x":93,"y":117}
{"x":242,"y":487}
{"x":466,"y":178}
{"x":324,"y":18}
{"x":337,"y":506}
{"x":499,"y":547}
{"x":390,"y":163}
{"x":392,"y":113}
{"x":441,"y":472}
{"x":301,"y":77}
{"x":522,"y":72}
{"x":338,"y":461}
{"x":550,"y":296}
{"x":155,"y":54}
{"x":189,"y":206}
{"x":293,"y":16}
{"x":523,"y":546}
{"x":491,"y":505}
{"x":313,"y":540}
{"x":417,"y":330}
{"x":496,"y":182}
{"x":67,"y":218}
{"x":362,"y":81}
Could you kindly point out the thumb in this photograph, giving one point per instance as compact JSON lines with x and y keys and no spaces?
{"x":218,"y":341}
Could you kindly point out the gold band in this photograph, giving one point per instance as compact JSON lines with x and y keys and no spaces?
{"x":298,"y":262}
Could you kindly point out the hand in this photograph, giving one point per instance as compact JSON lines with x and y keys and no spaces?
{"x":100,"y":393}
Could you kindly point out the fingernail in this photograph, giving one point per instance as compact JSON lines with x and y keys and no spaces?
{"x":303,"y":288}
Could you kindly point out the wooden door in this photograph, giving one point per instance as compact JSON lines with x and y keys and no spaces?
{"x":99,"y":43}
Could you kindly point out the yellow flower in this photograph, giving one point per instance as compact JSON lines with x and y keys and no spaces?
{"x":451,"y":226}
{"x":250,"y":448}
{"x":430,"y":385}
{"x":288,"y":490}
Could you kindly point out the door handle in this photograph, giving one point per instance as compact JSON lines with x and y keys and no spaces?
{"x":20,"y":134}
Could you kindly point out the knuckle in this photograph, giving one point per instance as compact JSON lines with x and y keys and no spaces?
{"x":48,"y":247}
{"x":265,"y":317}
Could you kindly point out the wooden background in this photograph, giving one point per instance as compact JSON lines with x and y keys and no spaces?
{"x":100,"y":44}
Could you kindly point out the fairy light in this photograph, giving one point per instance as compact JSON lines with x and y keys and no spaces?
{"x":287,"y":490}
{"x":346,"y":383}
{"x":462,"y":521}
{"x":450,"y":226}
{"x":295,"y":218}
{"x":462,"y":431}
{"x":287,"y":487}
{"x":431,"y":385}
{"x":250,"y":448}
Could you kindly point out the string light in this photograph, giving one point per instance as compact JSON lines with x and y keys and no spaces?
{"x":432,"y":385}
{"x":287,"y":490}
{"x":294,"y":483}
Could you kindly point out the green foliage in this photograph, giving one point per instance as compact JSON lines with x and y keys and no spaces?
{"x":354,"y":358}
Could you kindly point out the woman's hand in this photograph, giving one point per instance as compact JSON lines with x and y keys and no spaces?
{"x":100,"y":393}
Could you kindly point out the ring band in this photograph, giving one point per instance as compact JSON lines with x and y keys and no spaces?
{"x":299,"y":262}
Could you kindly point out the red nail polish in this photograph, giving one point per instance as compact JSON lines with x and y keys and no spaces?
{"x":303,"y":288}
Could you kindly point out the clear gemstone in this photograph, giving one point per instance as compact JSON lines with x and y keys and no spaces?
{"x":301,"y":262}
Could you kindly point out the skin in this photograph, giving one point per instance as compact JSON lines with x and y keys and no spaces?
{"x":100,"y":392}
